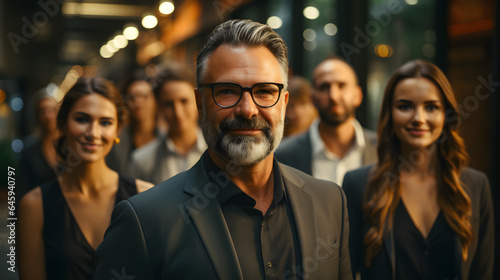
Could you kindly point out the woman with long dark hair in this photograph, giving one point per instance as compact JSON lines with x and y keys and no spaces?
{"x":61,"y":223}
{"x":419,"y":213}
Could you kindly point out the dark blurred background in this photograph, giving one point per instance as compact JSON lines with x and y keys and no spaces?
{"x":48,"y":43}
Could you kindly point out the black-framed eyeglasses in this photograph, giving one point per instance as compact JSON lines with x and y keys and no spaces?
{"x":227,"y":95}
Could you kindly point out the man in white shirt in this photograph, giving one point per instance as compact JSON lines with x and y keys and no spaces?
{"x":183,"y":144}
{"x":336,"y":143}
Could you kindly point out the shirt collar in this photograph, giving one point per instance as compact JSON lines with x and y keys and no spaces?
{"x":231,"y":190}
{"x":318,"y":146}
{"x":199,"y":147}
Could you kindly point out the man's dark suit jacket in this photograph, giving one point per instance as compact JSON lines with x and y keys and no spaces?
{"x":296,"y":151}
{"x":177,"y":230}
{"x":479,"y":264}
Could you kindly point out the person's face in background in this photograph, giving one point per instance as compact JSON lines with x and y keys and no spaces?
{"x":300,"y":112}
{"x":92,"y":127}
{"x":177,"y":104}
{"x":245,"y":133}
{"x":336,"y":92}
{"x":141,"y":101}
{"x":47,"y":114}
{"x":418,"y":113}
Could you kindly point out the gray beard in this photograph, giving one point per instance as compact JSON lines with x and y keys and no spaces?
{"x":243,"y":150}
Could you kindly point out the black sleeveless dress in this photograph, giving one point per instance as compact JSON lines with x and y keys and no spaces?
{"x":68,"y":255}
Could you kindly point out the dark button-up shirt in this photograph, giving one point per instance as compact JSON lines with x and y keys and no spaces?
{"x":423,"y":258}
{"x":266,"y":245}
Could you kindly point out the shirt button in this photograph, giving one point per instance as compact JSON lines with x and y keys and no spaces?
{"x":269,"y":264}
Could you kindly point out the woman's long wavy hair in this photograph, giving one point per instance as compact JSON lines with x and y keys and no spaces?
{"x":383,"y":193}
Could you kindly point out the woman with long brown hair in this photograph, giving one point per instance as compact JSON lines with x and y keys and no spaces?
{"x":61,"y":223}
{"x":419,"y":213}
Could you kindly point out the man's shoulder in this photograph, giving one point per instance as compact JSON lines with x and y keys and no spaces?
{"x":165,"y":196}
{"x":292,"y":142}
{"x":357,"y":178}
{"x":309,"y":182}
{"x":294,"y":148}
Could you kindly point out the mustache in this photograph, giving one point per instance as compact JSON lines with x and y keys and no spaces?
{"x":240,"y":122}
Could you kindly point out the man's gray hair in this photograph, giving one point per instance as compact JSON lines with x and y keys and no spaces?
{"x":243,"y":33}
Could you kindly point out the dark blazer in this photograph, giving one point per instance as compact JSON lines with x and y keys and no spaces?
{"x":479,"y":264}
{"x":296,"y":151}
{"x":177,"y":230}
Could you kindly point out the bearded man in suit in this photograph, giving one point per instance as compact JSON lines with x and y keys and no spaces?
{"x":238,"y":213}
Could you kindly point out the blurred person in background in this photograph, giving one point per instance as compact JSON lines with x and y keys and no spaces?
{"x":300,"y":111}
{"x":183,"y":145}
{"x":419,"y":212}
{"x":141,"y":130}
{"x":62,"y":222}
{"x":336,"y":143}
{"x":38,"y":159}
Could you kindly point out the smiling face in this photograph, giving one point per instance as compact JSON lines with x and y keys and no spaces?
{"x":246,"y":133}
{"x":336,"y":92}
{"x":418,"y":113}
{"x":92,"y":127}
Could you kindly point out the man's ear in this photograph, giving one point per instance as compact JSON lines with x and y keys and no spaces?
{"x":199,"y":104}
{"x":286,"y":94}
{"x":358,"y":98}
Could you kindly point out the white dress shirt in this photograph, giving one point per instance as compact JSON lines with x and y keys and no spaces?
{"x":329,"y":166}
{"x":163,"y":160}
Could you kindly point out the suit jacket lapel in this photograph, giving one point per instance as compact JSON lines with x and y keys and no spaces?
{"x":301,"y":205}
{"x":208,"y":219}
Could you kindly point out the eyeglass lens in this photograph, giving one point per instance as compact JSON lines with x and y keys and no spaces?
{"x":228,"y":95}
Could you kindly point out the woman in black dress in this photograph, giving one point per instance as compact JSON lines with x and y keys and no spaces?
{"x":61,"y":223}
{"x":419,"y":213}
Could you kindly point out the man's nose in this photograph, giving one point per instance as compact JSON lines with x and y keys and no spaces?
{"x":334,"y":92}
{"x":246,"y":107}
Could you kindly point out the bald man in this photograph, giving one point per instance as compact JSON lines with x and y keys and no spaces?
{"x":336,"y":143}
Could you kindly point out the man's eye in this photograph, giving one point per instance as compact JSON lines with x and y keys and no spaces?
{"x":226,"y":91}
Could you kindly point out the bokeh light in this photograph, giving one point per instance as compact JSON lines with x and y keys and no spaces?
{"x":274,"y":22}
{"x":16,"y":104}
{"x":311,"y":12}
{"x":309,"y":34}
{"x":149,"y":21}
{"x":166,"y":7}
{"x":330,"y":29}
{"x":131,"y":33}
{"x":383,"y":50}
{"x":17,"y":145}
